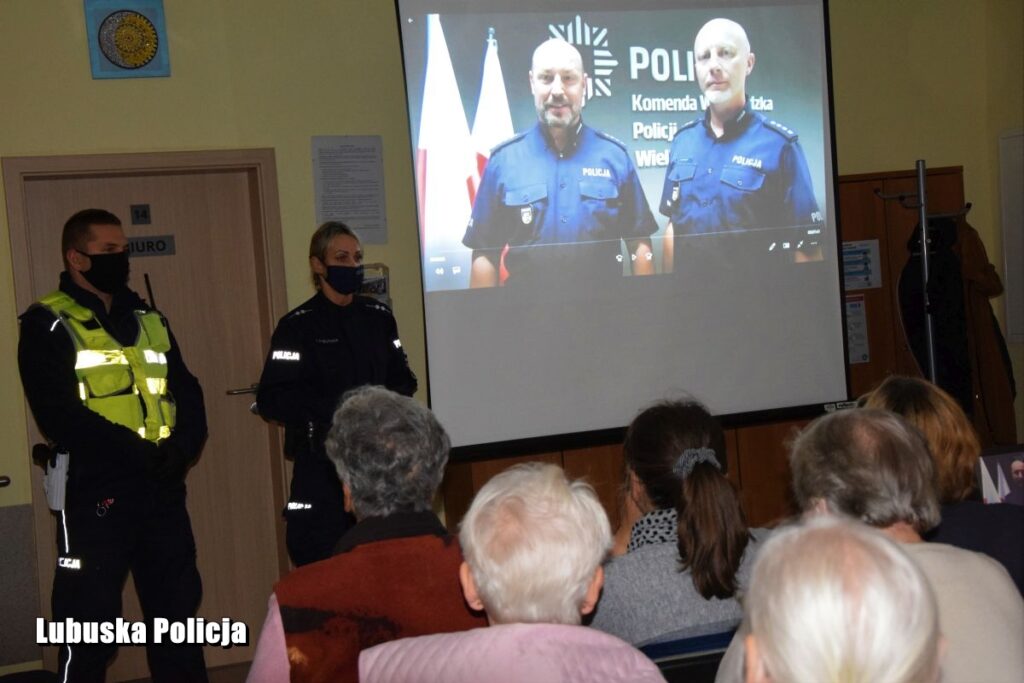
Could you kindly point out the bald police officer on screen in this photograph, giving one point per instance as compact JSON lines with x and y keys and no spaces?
{"x":733,"y":169}
{"x":562,"y":196}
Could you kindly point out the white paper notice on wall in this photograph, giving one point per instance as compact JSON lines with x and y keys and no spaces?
{"x":348,"y":179}
{"x":862,"y":268}
{"x":857,"y":350}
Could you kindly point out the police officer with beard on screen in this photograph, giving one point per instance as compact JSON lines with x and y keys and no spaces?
{"x":562,"y":196}
{"x":108,"y":388}
{"x":733,"y":170}
{"x":336,"y":341}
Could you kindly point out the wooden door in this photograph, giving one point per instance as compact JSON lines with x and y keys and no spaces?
{"x":865,"y":216}
{"x":222,"y":291}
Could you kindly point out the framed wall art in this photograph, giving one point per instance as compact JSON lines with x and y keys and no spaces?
{"x":127,"y":38}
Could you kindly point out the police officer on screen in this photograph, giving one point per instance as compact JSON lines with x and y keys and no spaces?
{"x":562,"y":196}
{"x":336,"y":341}
{"x":107,"y":385}
{"x":732,"y":170}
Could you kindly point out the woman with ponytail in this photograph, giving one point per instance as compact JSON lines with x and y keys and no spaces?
{"x":691,"y":550}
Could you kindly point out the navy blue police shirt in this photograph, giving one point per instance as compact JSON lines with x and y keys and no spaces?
{"x":754,"y":176}
{"x":559,"y":211}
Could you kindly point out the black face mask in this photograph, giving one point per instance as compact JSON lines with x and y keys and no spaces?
{"x":345,"y":279}
{"x":109,"y":272}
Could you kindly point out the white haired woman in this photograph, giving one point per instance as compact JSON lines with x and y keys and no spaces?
{"x":533,"y":544}
{"x":835,"y":600}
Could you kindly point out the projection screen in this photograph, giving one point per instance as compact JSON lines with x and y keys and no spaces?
{"x":620,"y":202}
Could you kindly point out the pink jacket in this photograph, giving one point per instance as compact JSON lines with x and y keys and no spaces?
{"x":510,"y":653}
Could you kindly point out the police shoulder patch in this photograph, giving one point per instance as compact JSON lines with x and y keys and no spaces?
{"x":300,"y":311}
{"x":686,"y":126}
{"x":782,"y":130}
{"x":373,"y":304}
{"x":501,"y":145}
{"x":610,"y":138}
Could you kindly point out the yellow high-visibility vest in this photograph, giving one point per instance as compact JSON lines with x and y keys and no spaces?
{"x":125,"y":384}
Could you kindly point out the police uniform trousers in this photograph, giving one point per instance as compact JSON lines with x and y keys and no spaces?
{"x":315,"y":517}
{"x":149,"y":535}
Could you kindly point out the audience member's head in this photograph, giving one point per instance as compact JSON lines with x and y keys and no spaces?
{"x":390,"y":452}
{"x":951,"y":438}
{"x":675,"y":458}
{"x":533,"y":542}
{"x":867,"y":464}
{"x":833,"y":601}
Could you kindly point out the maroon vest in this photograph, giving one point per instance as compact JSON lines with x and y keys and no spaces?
{"x":376,"y":592}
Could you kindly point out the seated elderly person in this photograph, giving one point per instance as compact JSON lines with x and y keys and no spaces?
{"x":873,"y":466}
{"x":835,"y":601}
{"x":533,"y":542}
{"x":994,"y":529}
{"x":691,"y":550}
{"x":395,"y":573}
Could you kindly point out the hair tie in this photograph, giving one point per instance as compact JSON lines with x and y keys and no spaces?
{"x":691,"y":457}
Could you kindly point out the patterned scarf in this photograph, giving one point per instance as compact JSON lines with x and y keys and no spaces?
{"x":657,"y":526}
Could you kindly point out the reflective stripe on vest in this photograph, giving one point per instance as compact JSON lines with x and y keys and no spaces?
{"x":125,"y":384}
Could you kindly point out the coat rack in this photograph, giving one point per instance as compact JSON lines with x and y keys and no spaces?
{"x":922,"y":206}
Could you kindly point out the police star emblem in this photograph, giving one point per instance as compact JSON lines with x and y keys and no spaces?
{"x":526,"y":213}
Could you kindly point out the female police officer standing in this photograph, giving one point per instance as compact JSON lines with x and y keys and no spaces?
{"x":336,"y":341}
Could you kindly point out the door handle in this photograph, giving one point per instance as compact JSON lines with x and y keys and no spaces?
{"x":251,"y":389}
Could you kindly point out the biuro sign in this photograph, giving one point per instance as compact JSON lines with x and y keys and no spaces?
{"x":153,"y":245}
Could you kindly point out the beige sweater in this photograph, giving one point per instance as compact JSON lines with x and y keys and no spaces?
{"x":980,"y":612}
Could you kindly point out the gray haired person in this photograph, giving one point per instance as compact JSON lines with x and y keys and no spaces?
{"x":395,"y":573}
{"x":390,"y":453}
{"x":875,"y":467}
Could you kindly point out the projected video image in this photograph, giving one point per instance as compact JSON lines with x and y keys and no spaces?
{"x":621,"y":201}
{"x":570,"y":146}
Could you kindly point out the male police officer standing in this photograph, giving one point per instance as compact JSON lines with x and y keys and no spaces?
{"x":107,"y":385}
{"x":562,"y":196}
{"x":733,"y":170}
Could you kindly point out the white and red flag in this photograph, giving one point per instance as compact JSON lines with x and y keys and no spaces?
{"x":492,"y":124}
{"x":446,"y":176}
{"x":1002,"y":488}
{"x":989,"y":492}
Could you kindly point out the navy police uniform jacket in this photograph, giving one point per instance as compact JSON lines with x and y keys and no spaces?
{"x":318,"y":352}
{"x":559,"y":211}
{"x":754,"y":176}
